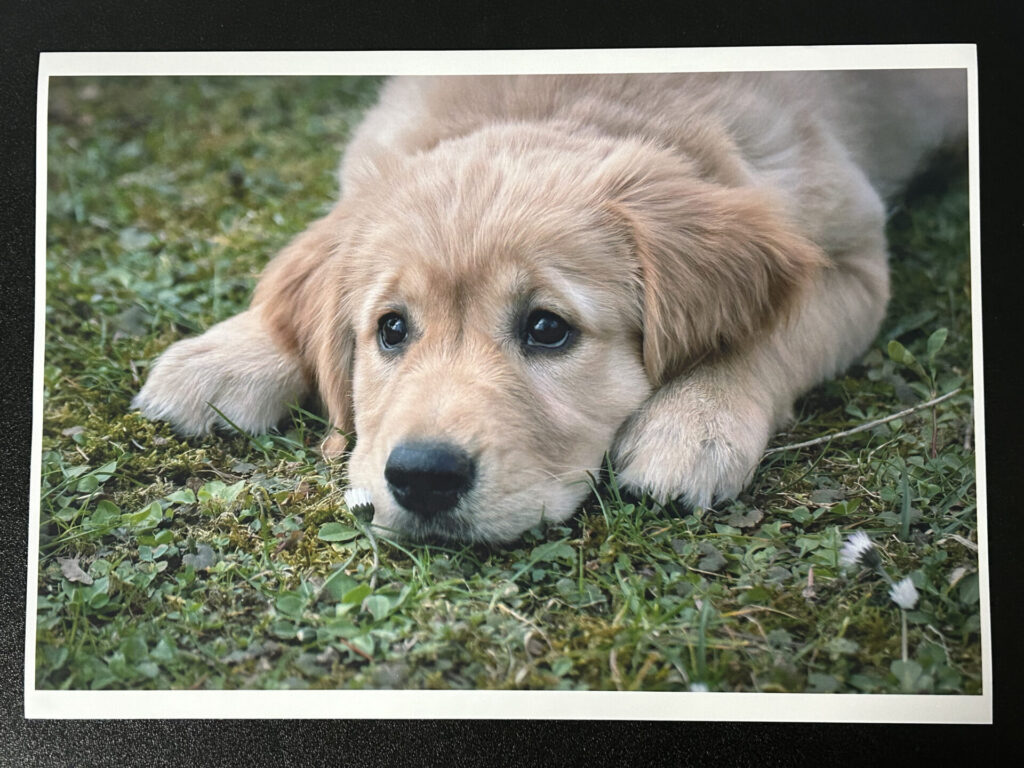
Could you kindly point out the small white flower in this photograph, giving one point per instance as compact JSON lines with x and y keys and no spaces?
{"x":359,"y":502}
{"x":355,"y":497}
{"x":904,"y":594}
{"x":856,"y":549}
{"x":698,"y":687}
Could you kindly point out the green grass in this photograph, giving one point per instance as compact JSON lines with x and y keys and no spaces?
{"x":231,"y":562}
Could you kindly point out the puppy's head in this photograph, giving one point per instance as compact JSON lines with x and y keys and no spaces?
{"x":490,"y":312}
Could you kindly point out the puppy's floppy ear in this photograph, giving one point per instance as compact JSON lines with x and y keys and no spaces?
{"x":719,"y":264}
{"x":303,"y":305}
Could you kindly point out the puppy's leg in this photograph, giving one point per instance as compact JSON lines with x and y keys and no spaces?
{"x":701,"y":436}
{"x":235,"y":367}
{"x":254,"y":365}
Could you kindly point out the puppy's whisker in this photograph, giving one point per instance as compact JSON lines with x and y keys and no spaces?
{"x":573,"y":474}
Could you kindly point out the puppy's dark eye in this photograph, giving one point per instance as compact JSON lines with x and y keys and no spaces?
{"x":546,"y":330}
{"x":392,"y":330}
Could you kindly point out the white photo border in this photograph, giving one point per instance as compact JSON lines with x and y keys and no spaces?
{"x":479,"y":704}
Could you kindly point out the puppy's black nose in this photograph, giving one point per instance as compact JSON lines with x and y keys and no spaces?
{"x":429,"y":478}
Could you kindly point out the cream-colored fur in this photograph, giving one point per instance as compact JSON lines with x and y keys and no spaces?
{"x":715,"y":241}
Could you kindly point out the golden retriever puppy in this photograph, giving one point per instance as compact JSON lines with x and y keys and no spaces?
{"x":526,"y":274}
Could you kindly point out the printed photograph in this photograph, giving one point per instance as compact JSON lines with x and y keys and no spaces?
{"x":586,"y":382}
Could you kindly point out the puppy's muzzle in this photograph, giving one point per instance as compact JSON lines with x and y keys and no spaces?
{"x":429,"y":478}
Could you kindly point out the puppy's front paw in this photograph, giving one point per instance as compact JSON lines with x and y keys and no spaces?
{"x":233,"y":368}
{"x":692,"y":440}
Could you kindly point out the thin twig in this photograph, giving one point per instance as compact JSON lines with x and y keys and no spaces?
{"x":524,"y":620}
{"x":355,"y":649}
{"x":756,"y":609}
{"x":961,"y":541}
{"x":863,"y":427}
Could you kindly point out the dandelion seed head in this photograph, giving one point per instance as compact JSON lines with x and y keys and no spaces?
{"x":858,"y":549}
{"x":904,"y":594}
{"x":359,"y":502}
